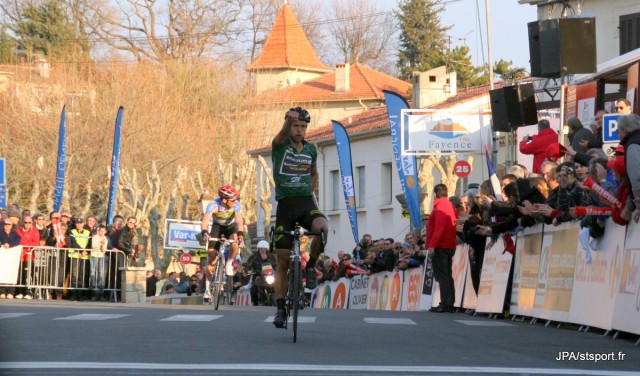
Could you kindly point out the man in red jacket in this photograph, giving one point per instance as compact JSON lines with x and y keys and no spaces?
{"x":441,"y":245}
{"x":537,"y":145}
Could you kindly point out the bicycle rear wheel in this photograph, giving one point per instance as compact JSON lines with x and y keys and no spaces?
{"x":295,"y":283}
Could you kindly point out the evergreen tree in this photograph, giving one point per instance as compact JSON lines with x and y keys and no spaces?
{"x":7,"y":54}
{"x":422,"y":39}
{"x":459,"y":60}
{"x":44,"y":29}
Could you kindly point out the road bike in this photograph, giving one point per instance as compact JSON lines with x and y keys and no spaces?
{"x":295,"y":299}
{"x":220,"y":285}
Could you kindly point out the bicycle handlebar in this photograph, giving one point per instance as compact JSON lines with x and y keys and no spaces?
{"x":301,"y":232}
{"x":223,"y":240}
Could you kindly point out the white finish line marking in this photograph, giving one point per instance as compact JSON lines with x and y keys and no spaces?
{"x":305,"y":368}
{"x":192,"y":318}
{"x":12,"y":315}
{"x":301,"y":319}
{"x":389,"y":321}
{"x":483,"y":323}
{"x":92,"y":317}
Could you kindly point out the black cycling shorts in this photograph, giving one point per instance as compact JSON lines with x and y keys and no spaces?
{"x":218,"y":230}
{"x":292,"y":210}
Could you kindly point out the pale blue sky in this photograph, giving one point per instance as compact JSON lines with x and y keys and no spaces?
{"x":508,"y":28}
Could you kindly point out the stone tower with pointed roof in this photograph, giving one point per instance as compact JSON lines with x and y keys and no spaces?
{"x":287,"y":57}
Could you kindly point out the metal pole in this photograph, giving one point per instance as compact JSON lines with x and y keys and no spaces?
{"x":562,"y":109}
{"x":496,"y":135}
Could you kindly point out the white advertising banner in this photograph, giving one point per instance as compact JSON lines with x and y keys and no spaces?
{"x":412,"y":289}
{"x":385,"y":291}
{"x":494,"y":278}
{"x":525,"y":271}
{"x":10,"y":264}
{"x":358,"y":291}
{"x":599,"y":276}
{"x":181,"y":234}
{"x":443,"y":133}
{"x":557,"y":269}
{"x":334,"y":295}
{"x":470,"y":298}
{"x":626,"y":314}
{"x":243,"y":298}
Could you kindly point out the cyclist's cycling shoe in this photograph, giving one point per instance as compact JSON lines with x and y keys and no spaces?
{"x":312,"y":279}
{"x":280,"y":319}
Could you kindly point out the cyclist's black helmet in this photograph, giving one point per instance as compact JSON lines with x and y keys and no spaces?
{"x":304,"y":114}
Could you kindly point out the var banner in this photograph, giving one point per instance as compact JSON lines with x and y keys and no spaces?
{"x":495,"y":276}
{"x":180,"y":234}
{"x":525,"y":271}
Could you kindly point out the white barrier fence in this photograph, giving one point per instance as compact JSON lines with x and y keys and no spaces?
{"x":553,"y":279}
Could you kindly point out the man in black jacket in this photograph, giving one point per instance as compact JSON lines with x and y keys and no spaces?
{"x":386,"y":259}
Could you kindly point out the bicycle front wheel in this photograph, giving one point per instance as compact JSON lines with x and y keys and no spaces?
{"x":218,"y":286}
{"x":295,"y":283}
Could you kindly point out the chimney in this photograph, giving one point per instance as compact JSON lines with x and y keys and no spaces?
{"x":433,"y":86}
{"x":43,"y":67}
{"x":342,"y":77}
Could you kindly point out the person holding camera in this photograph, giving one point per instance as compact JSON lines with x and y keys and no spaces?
{"x":360,"y":251}
{"x":537,"y":144}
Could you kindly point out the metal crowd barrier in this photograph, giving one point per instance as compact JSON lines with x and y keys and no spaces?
{"x":58,"y":272}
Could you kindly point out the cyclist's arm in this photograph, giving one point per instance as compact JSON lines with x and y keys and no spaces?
{"x":282,"y":136}
{"x":206,"y":219}
{"x":315,"y":183}
{"x":240,"y":223}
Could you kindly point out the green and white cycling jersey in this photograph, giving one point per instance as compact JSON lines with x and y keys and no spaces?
{"x":292,"y":169}
{"x":225,"y":216}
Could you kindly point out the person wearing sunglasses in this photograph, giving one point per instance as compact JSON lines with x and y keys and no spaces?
{"x":225,"y":216}
{"x":623,"y":106}
{"x":30,"y":238}
{"x":8,"y":238}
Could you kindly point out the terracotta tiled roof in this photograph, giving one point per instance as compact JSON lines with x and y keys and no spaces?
{"x":287,"y":46}
{"x":364,"y":82}
{"x":465,"y":95}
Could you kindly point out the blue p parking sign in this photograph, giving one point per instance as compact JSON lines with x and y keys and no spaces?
{"x":610,"y":128}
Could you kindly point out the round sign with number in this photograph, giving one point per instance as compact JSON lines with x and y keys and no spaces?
{"x":185,"y":258}
{"x":462,"y":169}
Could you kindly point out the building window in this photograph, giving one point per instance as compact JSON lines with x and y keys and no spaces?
{"x":360,"y":184}
{"x":336,"y":189}
{"x":385,"y":184}
{"x":629,"y":32}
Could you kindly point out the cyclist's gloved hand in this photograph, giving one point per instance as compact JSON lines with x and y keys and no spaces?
{"x":204,"y":234}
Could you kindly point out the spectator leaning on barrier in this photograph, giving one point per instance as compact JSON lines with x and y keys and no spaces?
{"x":30,"y":238}
{"x":629,"y":132}
{"x":537,"y":144}
{"x":8,"y":238}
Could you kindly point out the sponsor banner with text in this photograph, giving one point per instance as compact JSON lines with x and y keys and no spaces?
{"x":412,"y":289}
{"x":626,"y":315}
{"x":494,"y":278}
{"x":525,"y":271}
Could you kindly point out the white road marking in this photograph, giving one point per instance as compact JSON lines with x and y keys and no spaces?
{"x":301,"y":319}
{"x":483,"y":323}
{"x":12,"y":315}
{"x":305,"y":368}
{"x":389,"y":321}
{"x":192,"y":318}
{"x":92,"y":317}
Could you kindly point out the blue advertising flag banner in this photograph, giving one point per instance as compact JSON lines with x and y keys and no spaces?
{"x":493,"y":178}
{"x":61,"y":163}
{"x":406,"y":165}
{"x":115,"y":167}
{"x":346,"y":173}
